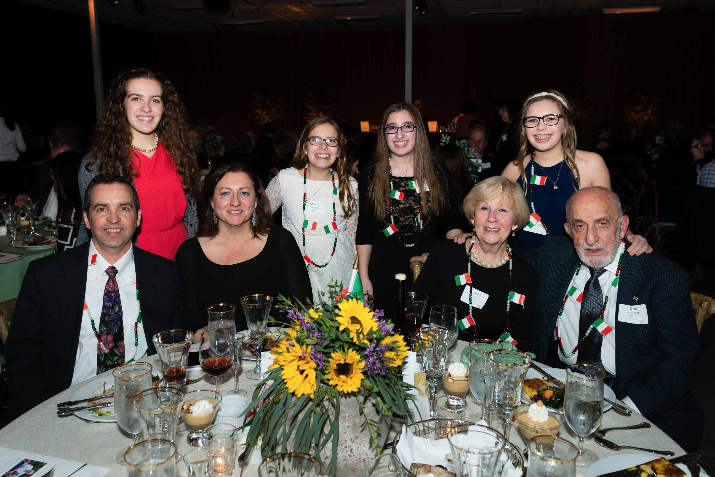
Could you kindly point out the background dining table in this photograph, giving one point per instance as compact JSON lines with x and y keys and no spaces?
{"x":41,"y":431}
{"x":12,"y":273}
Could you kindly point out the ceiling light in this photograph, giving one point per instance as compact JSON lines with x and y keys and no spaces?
{"x":421,"y":7}
{"x":335,"y":3}
{"x":114,"y":3}
{"x":631,"y":10}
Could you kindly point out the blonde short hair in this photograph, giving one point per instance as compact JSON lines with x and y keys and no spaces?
{"x":493,"y":187}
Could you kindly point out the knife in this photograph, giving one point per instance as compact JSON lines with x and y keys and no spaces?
{"x":548,"y":377}
{"x":94,"y":398}
{"x":69,"y":411}
{"x":688,"y":458}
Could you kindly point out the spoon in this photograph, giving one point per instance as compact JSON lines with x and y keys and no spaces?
{"x":613,"y":446}
{"x":642,"y":425}
{"x":619,"y":408}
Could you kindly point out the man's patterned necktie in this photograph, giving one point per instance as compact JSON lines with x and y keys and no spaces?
{"x":110,"y":349}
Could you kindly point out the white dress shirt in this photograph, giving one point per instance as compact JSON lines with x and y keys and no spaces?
{"x":86,"y":360}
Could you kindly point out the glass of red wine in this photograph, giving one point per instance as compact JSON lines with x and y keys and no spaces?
{"x":172,"y":346}
{"x":415,"y":306}
{"x":216,"y":352}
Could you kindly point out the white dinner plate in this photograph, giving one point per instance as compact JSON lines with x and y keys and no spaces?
{"x":612,"y":463}
{"x":560,"y":374}
{"x":45,"y":246}
{"x":96,"y":388}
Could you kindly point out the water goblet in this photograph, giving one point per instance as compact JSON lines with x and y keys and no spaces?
{"x":415,"y":304}
{"x":159,"y":411}
{"x":434,"y":343}
{"x":198,"y":415}
{"x":172,"y":346}
{"x":256,"y":309}
{"x":11,"y":222}
{"x":583,"y":405}
{"x":151,"y":457}
{"x":216,"y":352}
{"x":445,"y":317}
{"x":29,"y":208}
{"x":222,"y":323}
{"x":129,"y":379}
{"x":481,"y":375}
{"x":237,"y":364}
{"x":476,"y":452}
{"x":510,"y":368}
{"x":551,"y":457}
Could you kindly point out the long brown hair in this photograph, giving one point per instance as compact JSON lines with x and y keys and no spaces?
{"x":112,"y":150}
{"x":569,"y":141}
{"x":341,"y":166}
{"x":423,"y":169}
{"x":207,"y":226}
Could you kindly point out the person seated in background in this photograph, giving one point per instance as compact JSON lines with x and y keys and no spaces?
{"x":78,"y":312}
{"x":630,"y":315}
{"x":237,"y":252}
{"x":467,"y":114}
{"x":477,"y":140}
{"x":492,"y":290}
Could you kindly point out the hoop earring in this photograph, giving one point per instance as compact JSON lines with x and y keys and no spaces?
{"x":254,"y":218}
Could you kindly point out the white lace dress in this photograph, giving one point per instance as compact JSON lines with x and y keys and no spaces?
{"x":286,"y":190}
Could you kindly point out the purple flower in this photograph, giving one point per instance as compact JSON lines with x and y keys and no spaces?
{"x":374,"y":363}
{"x":377,"y":314}
{"x":384,"y":328}
{"x":317,"y":358}
{"x":294,"y":315}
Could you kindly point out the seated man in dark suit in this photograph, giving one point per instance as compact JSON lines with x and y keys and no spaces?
{"x":649,"y":344}
{"x":92,"y":308}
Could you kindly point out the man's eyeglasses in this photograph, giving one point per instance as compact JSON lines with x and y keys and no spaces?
{"x":406,"y":128}
{"x":317,"y":141}
{"x":549,"y":120}
{"x":702,"y":146}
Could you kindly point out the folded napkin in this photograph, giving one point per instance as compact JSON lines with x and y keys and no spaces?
{"x":420,"y":407}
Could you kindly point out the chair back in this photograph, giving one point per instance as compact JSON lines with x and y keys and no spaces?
{"x":703,"y":306}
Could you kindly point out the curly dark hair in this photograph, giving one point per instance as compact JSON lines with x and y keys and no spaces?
{"x":112,"y":151}
{"x":207,"y":226}
{"x":341,"y":164}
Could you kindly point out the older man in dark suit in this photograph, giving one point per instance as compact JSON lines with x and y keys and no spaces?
{"x":630,"y":315}
{"x":90,"y":309}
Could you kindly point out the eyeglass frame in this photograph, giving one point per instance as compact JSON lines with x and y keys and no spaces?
{"x":401,"y":128}
{"x":702,"y":146}
{"x":321,"y":141}
{"x":541,"y":120}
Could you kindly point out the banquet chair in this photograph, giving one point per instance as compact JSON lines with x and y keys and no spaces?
{"x":703,"y":306}
{"x":7,"y":308}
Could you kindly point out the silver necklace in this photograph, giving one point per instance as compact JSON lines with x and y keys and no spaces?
{"x":556,"y":186}
{"x":147,"y":151}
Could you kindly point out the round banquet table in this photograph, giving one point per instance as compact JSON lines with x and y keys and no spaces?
{"x":41,"y":431}
{"x":12,"y":273}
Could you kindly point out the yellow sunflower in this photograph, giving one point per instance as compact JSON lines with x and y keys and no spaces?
{"x":282,"y":346}
{"x":346,"y":371}
{"x":398,"y":350}
{"x":355,"y":317}
{"x":298,"y":369}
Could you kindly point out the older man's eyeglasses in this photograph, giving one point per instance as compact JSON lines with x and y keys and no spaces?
{"x":549,"y":120}
{"x":702,"y":145}
{"x":406,"y":128}
{"x":317,"y":141}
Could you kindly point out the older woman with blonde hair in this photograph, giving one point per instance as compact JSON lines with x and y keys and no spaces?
{"x":492,"y":289}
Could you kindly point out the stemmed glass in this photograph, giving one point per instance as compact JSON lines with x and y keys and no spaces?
{"x":444,"y":317}
{"x":481,"y":374}
{"x":216,"y":352}
{"x":434,"y":344}
{"x":11,"y":221}
{"x":415,"y":304}
{"x":237,"y":364}
{"x":256,"y":309}
{"x":583,"y":405}
{"x":510,"y":368}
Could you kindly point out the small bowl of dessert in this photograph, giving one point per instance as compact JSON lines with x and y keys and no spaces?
{"x":536,"y":420}
{"x":456,"y":386}
{"x":198,"y":411}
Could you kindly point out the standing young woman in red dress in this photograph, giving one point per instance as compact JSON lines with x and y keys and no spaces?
{"x":144,"y":134}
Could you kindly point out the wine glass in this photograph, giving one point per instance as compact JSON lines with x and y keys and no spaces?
{"x":237,"y":364}
{"x":30,"y":210}
{"x":445,"y":318}
{"x":434,"y":343}
{"x":129,"y":379}
{"x":510,"y":367}
{"x":481,"y":374}
{"x":415,"y":304}
{"x":256,"y":309}
{"x":216,"y":351}
{"x":583,"y":405}
{"x":11,"y":218}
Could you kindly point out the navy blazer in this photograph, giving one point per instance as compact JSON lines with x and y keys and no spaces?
{"x":42,"y":344}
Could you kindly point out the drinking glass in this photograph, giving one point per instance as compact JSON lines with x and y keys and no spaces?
{"x":129,"y":379}
{"x":151,"y":457}
{"x":289,"y":464}
{"x":237,"y":364}
{"x":256,"y":309}
{"x":197,"y":461}
{"x":172,"y":346}
{"x":481,"y":375}
{"x":159,"y":411}
{"x":476,"y":452}
{"x":445,"y":317}
{"x":29,"y":208}
{"x":197,"y":423}
{"x":222,"y":323}
{"x":583,"y":405}
{"x":386,"y":465}
{"x":222,"y":449}
{"x":434,"y":343}
{"x":415,"y":304}
{"x":11,"y":221}
{"x":551,"y":457}
{"x":216,"y":351}
{"x":510,"y":367}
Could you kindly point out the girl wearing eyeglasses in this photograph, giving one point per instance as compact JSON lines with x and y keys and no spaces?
{"x":319,"y":200}
{"x":407,"y":205}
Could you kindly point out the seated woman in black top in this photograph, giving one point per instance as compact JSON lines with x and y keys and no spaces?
{"x":494,"y":291}
{"x":237,"y":252}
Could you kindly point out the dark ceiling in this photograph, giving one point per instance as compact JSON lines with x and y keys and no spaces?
{"x":193,"y":15}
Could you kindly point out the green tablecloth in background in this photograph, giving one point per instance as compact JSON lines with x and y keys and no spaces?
{"x":12,"y":274}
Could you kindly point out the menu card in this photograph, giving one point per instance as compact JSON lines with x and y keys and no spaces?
{"x":15,"y":463}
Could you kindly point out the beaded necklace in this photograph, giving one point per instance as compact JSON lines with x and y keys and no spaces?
{"x":506,"y":336}
{"x":333,"y":227}
{"x":571,"y":291}
{"x":392,"y":228}
{"x":149,"y":151}
{"x":136,"y":328}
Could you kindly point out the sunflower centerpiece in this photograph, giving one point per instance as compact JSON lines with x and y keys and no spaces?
{"x":338,"y":353}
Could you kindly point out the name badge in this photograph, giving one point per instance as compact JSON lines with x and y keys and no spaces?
{"x":633,"y":314}
{"x":315,"y":208}
{"x":479,"y":298}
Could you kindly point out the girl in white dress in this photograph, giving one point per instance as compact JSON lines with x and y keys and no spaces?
{"x":319,"y":200}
